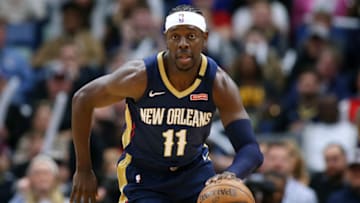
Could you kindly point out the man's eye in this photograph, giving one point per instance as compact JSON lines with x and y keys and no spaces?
{"x":192,"y":36}
{"x":174,"y":37}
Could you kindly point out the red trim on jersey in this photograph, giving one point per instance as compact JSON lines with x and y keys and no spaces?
{"x":199,"y":97}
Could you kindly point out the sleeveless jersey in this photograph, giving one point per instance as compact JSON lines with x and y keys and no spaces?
{"x":165,"y":126}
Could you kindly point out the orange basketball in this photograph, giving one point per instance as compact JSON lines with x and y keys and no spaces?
{"x":226,"y":191}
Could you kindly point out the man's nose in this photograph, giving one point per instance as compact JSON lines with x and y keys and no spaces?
{"x":183,"y":43}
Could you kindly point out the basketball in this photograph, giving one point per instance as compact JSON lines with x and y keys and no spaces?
{"x":226,"y":191}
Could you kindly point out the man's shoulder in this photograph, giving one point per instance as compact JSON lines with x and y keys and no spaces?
{"x":212,"y":61}
{"x":152,"y":60}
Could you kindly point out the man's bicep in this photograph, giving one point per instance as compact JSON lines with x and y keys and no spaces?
{"x":227,"y":99}
{"x":128,"y":81}
{"x":112,"y":88}
{"x":96,"y":93}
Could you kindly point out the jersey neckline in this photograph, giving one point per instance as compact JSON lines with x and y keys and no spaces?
{"x":170,"y":87}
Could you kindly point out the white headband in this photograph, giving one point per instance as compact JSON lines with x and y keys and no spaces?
{"x":185,"y":18}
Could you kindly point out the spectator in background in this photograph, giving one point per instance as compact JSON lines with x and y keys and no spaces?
{"x":108,"y":124}
{"x":254,"y":90}
{"x":329,"y":68}
{"x":64,"y":179}
{"x":14,"y":64}
{"x":73,"y":29}
{"x":30,"y":144}
{"x":219,"y":24}
{"x":121,"y":11}
{"x":7,"y":179}
{"x":66,"y":74}
{"x":321,"y":22}
{"x":109,"y":183}
{"x":141,"y":33}
{"x":255,"y":43}
{"x":14,"y":69}
{"x":333,"y":178}
{"x":242,"y":19}
{"x":300,"y":106}
{"x":280,"y":160}
{"x":261,"y":16}
{"x":268,"y":187}
{"x":298,"y":165}
{"x":301,"y":9}
{"x":308,"y":53}
{"x":42,"y":182}
{"x":328,"y":129}
{"x":21,"y":11}
{"x":351,"y":192}
{"x":279,"y":181}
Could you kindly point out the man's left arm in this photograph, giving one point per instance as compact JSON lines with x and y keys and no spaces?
{"x":237,"y":126}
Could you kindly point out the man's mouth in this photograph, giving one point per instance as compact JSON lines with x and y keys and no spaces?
{"x":184,"y":58}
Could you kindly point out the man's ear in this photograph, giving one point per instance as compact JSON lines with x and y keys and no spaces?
{"x":206,"y":36}
{"x":164,"y":39}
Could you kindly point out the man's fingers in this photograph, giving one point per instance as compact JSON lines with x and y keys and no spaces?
{"x":93,"y":197}
{"x":72,"y":196}
{"x":212,"y":180}
{"x":90,"y":197}
{"x":225,"y":175}
{"x":86,"y":198}
{"x":78,"y":197}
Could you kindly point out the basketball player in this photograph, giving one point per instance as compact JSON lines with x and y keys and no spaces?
{"x":171,"y":98}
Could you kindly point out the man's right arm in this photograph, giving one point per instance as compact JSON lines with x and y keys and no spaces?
{"x":128,"y":81}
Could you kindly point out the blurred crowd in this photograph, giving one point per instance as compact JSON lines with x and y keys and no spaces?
{"x":296,"y":63}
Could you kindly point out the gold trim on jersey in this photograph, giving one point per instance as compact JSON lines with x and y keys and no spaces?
{"x":170,"y":87}
{"x":126,"y":136}
{"x":121,"y":174}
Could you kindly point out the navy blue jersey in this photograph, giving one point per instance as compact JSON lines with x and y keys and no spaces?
{"x":165,"y":126}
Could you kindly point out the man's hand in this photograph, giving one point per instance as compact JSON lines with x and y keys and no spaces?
{"x":221,"y":176}
{"x":84,"y":188}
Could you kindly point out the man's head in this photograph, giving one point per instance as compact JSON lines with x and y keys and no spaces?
{"x":42,"y":174}
{"x":73,"y":19}
{"x":142,"y":21}
{"x":70,"y":55}
{"x":186,"y":35}
{"x":335,"y":159}
{"x":261,"y":14}
{"x":329,"y":63}
{"x":279,"y":158}
{"x":308,"y":84}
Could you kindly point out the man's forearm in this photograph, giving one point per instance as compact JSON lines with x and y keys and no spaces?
{"x":81,"y":125}
{"x":247,"y":159}
{"x":248,"y":156}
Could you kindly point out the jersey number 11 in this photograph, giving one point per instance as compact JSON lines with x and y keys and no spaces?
{"x":169,"y":142}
